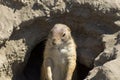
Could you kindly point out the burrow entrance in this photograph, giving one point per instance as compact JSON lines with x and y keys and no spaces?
{"x":87,"y":35}
{"x":87,"y":38}
{"x":32,"y":69}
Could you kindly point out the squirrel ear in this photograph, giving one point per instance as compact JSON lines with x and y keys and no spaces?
{"x":51,"y":31}
{"x":69,"y":29}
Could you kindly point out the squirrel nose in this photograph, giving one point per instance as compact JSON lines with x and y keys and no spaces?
{"x":53,"y":43}
{"x":56,"y":41}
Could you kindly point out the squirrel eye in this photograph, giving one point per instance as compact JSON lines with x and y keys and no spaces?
{"x":63,"y":35}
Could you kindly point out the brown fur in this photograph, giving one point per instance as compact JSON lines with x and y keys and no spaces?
{"x":59,"y":55}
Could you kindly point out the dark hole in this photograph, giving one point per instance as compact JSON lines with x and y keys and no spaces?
{"x":32,"y":69}
{"x":82,"y":71}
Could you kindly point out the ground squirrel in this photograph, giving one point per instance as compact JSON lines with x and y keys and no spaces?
{"x":59,"y":55}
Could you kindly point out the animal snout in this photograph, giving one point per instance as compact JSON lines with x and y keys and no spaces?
{"x":56,"y":42}
{"x":53,"y":43}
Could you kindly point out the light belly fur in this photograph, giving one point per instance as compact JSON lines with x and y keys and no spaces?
{"x":59,"y":65}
